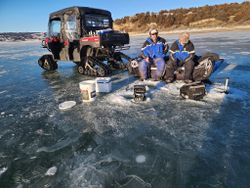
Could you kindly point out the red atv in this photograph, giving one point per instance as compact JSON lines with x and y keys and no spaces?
{"x":86,"y":37}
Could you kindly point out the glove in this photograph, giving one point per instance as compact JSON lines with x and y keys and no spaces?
{"x":191,"y":56}
{"x":171,"y":57}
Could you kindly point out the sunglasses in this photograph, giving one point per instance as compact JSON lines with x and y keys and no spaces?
{"x":154,"y":34}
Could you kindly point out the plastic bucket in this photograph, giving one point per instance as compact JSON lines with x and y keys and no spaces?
{"x":103,"y":85}
{"x":88,"y":90}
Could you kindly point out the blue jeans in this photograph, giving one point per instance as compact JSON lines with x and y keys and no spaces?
{"x":144,"y":67}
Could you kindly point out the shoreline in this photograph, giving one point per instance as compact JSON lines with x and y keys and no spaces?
{"x":198,"y":30}
{"x":22,"y":41}
{"x":169,"y":32}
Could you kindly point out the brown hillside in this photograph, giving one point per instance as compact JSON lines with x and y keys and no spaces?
{"x":233,"y":14}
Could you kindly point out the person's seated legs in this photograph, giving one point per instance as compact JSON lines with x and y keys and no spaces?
{"x":189,"y":67}
{"x":144,"y":66}
{"x":160,"y":64}
{"x":171,"y":66}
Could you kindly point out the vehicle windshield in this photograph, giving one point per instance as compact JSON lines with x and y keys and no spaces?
{"x":55,"y":28}
{"x":99,"y":21}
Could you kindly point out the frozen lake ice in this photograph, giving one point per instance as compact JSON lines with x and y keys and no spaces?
{"x":113,"y":142}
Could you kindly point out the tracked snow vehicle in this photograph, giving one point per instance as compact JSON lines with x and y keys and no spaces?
{"x":86,"y":37}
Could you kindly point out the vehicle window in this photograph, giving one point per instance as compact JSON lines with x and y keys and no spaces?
{"x":93,"y":20}
{"x":71,"y":27}
{"x":55,"y":28}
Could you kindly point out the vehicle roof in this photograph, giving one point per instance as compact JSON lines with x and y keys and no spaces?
{"x":81,"y":10}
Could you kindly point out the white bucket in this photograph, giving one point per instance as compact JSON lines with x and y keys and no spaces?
{"x":88,"y":90}
{"x":103,"y":85}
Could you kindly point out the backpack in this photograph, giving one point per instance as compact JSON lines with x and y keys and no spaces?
{"x":193,"y":91}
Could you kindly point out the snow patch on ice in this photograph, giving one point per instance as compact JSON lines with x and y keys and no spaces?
{"x":230,"y":67}
{"x":19,"y":55}
{"x":119,"y":99}
{"x":149,"y":111}
{"x":218,"y":92}
{"x":125,"y":95}
{"x":243,"y":53}
{"x":20,"y":186}
{"x":173,"y":88}
{"x":229,"y":57}
{"x":213,"y":95}
{"x":140,"y":159}
{"x":3,"y":170}
{"x":2,"y":92}
{"x":51,"y":171}
{"x":2,"y":72}
{"x":214,"y":92}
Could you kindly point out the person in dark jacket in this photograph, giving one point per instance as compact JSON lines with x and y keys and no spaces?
{"x":181,"y":54}
{"x":154,"y":51}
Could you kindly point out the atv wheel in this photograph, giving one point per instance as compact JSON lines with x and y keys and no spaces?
{"x":100,"y":72}
{"x":81,"y":69}
{"x":133,"y":67}
{"x":47,"y":62}
{"x":203,"y":70}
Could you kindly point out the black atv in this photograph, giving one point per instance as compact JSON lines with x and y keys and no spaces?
{"x":86,"y":37}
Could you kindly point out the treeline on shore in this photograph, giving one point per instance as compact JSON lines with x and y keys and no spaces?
{"x":232,"y":14}
{"x":21,"y":36}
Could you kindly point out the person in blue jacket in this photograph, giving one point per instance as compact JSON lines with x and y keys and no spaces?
{"x":181,"y":54}
{"x":154,"y":51}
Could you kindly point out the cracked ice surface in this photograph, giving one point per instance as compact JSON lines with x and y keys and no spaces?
{"x":113,"y":142}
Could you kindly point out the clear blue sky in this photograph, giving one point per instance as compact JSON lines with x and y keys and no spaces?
{"x":32,"y":15}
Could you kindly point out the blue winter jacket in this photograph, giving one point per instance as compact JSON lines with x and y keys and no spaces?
{"x":182,"y":52}
{"x":155,"y":50}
